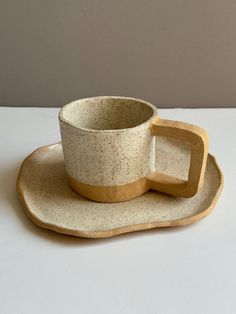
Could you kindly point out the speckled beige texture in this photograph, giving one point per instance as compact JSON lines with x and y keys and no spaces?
{"x":107,"y":140}
{"x":51,"y":204}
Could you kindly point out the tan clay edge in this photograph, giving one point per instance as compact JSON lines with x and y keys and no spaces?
{"x":110,"y":194}
{"x":117,"y":231}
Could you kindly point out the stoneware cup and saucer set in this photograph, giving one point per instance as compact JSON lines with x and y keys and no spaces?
{"x":119,"y":168}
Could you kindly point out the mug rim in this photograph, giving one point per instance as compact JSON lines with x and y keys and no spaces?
{"x":67,"y":122}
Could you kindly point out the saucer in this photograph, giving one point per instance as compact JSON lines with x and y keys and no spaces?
{"x":52,"y":204}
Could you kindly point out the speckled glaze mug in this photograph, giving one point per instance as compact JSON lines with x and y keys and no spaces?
{"x":109,"y":149}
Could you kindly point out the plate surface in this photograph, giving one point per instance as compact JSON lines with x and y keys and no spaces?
{"x":51,"y":204}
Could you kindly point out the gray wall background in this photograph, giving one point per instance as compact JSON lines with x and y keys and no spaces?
{"x":179,"y":53}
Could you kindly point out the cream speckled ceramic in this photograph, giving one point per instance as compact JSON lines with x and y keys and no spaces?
{"x":109,"y":149}
{"x":51,"y":204}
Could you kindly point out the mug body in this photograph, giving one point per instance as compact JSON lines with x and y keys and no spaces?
{"x":108,"y":147}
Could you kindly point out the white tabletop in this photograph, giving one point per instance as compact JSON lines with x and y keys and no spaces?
{"x":182,"y":270}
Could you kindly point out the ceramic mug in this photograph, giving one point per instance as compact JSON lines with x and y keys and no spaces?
{"x":109,"y":149}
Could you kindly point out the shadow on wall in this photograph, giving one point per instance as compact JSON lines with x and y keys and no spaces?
{"x":172,"y":53}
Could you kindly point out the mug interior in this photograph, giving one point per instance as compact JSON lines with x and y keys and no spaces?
{"x":106,"y":113}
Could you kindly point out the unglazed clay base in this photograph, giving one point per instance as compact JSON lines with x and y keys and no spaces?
{"x":52,"y":204}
